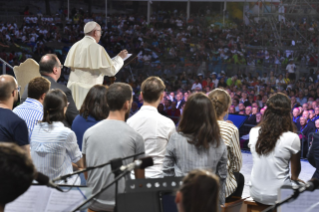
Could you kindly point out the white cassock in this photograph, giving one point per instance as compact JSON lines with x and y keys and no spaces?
{"x":89,"y":63}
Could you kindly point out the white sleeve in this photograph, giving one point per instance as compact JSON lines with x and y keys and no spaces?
{"x":295,"y":145}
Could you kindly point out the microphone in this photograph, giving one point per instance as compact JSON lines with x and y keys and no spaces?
{"x":44,"y":180}
{"x":311,"y":185}
{"x":141,"y":163}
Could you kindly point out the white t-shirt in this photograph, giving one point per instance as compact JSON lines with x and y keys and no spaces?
{"x":197,"y":86}
{"x":291,"y":68}
{"x":271,"y":171}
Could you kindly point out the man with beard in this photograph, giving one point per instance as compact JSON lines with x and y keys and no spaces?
{"x":12,"y":127}
{"x":109,"y":139}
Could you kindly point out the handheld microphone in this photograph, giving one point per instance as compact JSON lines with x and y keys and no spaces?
{"x":45,"y":180}
{"x":141,"y":163}
{"x":311,"y":185}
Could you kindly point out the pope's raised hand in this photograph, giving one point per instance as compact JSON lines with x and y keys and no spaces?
{"x":123,"y":54}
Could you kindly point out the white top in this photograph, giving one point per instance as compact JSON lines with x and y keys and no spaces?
{"x":291,"y":68}
{"x":270,"y":172}
{"x":156,"y":130}
{"x":197,"y":86}
{"x":53,"y":150}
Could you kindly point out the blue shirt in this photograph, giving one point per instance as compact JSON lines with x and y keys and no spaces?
{"x":31,"y":111}
{"x":80,"y":125}
{"x":13,"y":128}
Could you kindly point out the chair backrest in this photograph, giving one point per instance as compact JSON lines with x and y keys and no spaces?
{"x":25,"y":72}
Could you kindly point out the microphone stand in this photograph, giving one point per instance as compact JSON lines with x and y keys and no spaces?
{"x":288,"y":199}
{"x":64,"y":177}
{"x":103,"y":189}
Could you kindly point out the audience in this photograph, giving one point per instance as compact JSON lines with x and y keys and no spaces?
{"x":93,"y":110}
{"x":155,"y":128}
{"x":199,"y":192}
{"x":229,"y":132}
{"x":17,"y":173}
{"x":50,"y":68}
{"x":12,"y":127}
{"x":273,"y":144}
{"x":109,"y":139}
{"x":313,"y":156}
{"x":31,"y":111}
{"x":197,"y":143}
{"x":54,"y":148}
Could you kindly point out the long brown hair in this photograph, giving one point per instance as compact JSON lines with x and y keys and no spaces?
{"x":199,"y":120}
{"x":276,"y":120}
{"x":200,"y":191}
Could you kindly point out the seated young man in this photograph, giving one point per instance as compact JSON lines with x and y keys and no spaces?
{"x":17,"y":172}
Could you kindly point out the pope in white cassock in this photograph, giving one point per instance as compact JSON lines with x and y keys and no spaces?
{"x":89,"y":63}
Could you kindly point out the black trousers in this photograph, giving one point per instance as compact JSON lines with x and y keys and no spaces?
{"x":240,"y":179}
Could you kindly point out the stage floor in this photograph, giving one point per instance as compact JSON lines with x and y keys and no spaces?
{"x":306,"y":173}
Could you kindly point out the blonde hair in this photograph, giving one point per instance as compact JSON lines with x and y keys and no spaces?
{"x":221,"y":100}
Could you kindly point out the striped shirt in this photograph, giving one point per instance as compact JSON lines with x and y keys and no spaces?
{"x":182,"y":157}
{"x":31,"y":111}
{"x":230,"y":135}
{"x":53,"y":149}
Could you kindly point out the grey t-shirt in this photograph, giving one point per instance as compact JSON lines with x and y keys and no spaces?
{"x":107,"y":140}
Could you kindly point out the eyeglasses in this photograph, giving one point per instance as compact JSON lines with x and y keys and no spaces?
{"x":18,"y":88}
{"x":100,"y":31}
{"x":60,"y":66}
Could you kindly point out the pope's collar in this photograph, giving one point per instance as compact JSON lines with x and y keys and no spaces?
{"x":88,"y":36}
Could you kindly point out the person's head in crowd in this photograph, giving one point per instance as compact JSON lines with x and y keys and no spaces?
{"x":152,"y":91}
{"x":213,"y":75}
{"x":264,"y":99}
{"x":9,"y":91}
{"x":241,"y":107}
{"x":95,"y":103}
{"x":199,"y":120}
{"x":305,"y":114}
{"x":317,"y":124}
{"x":119,"y":99}
{"x":255,"y":105}
{"x":310,"y":104}
{"x":248,"y":110}
{"x":244,"y":96}
{"x":51,"y":66}
{"x":295,"y":112}
{"x":317,"y":101}
{"x":54,"y":106}
{"x":232,"y":109}
{"x":302,"y":121}
{"x":17,"y":172}
{"x":172,"y":95}
{"x":221,"y":101}
{"x":251,"y":98}
{"x":199,"y":192}
{"x":300,"y":110}
{"x":179,"y":96}
{"x":94,"y":30}
{"x":235,"y":102}
{"x":186,"y":96}
{"x":316,"y":111}
{"x":293,"y":100}
{"x":258,"y":118}
{"x":38,"y":88}
{"x":254,"y":110}
{"x":305,"y":106}
{"x":276,"y":120}
{"x":311,"y":114}
{"x":160,"y":108}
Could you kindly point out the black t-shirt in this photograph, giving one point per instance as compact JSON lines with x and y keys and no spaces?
{"x":13,"y":128}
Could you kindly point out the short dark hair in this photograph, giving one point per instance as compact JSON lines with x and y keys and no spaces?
{"x":53,"y":106}
{"x":46,"y":66}
{"x":117,"y":94}
{"x":6,"y":89}
{"x":95,"y":103}
{"x":200,"y":191}
{"x":17,"y":172}
{"x":152,"y":88}
{"x":37,"y":87}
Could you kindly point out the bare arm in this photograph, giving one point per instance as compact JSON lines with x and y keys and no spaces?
{"x":295,"y":166}
{"x":139,"y":173}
